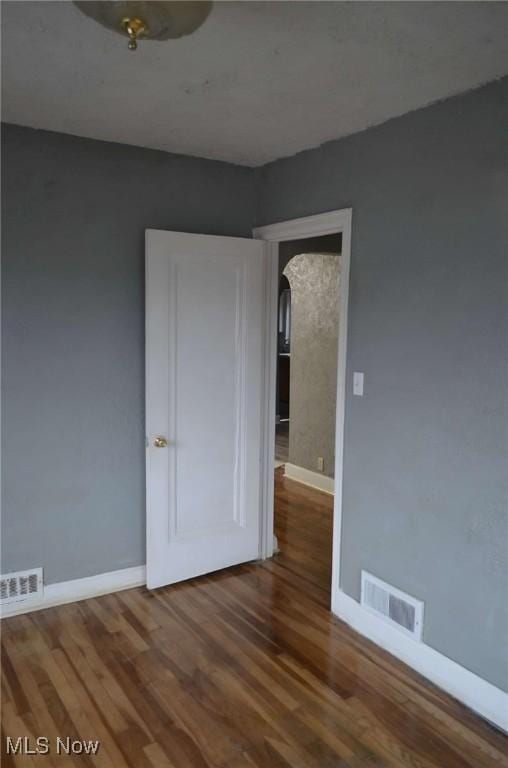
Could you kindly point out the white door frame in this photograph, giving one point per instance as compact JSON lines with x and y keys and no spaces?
{"x":296,"y":229}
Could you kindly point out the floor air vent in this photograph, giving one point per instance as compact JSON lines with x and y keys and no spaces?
{"x":395,"y":607}
{"x":21,"y":585}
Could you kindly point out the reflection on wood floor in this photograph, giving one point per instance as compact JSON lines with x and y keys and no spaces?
{"x":303,"y":526}
{"x":245,"y":668}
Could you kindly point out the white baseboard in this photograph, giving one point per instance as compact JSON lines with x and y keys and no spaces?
{"x":476,"y":693}
{"x":78,"y":589}
{"x":308,"y":477}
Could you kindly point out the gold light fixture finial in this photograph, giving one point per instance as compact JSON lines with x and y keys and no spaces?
{"x":147,"y":19}
{"x":135,"y":28}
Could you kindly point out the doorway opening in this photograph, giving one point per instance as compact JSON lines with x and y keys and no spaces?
{"x":283,"y":373}
{"x":306,"y":396}
{"x":338,"y":224}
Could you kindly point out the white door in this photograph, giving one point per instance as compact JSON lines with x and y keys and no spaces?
{"x":204,"y":309}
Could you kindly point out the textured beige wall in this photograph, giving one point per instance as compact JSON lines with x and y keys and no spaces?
{"x":314,"y":280}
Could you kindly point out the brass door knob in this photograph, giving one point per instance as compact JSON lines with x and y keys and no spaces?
{"x":160,"y":442}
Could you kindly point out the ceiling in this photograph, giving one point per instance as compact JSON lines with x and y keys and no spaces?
{"x":256,"y":82}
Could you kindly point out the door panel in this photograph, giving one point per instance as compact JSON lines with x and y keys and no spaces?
{"x":203,"y":357}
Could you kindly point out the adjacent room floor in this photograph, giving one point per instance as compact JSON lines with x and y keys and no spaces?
{"x":245,"y":668}
{"x":303,"y":526}
{"x":281,"y":443}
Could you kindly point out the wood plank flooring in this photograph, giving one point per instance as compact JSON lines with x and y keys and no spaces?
{"x":282,"y":441}
{"x":303,"y":526}
{"x":245,"y":668}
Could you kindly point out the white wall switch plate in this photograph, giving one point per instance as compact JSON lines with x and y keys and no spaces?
{"x":358,"y":384}
{"x":321,"y":464}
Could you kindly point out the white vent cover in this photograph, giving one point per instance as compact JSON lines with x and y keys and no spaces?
{"x":21,"y":585}
{"x":398,"y":609}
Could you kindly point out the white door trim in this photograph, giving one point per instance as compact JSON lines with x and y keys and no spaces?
{"x":295,"y":229}
{"x":267,"y":458}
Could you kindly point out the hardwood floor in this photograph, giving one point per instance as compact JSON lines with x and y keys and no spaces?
{"x":282,"y":441}
{"x":245,"y":668}
{"x":303,"y":526}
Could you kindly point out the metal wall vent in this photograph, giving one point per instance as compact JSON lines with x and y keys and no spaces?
{"x":21,"y":585}
{"x":396,"y":607}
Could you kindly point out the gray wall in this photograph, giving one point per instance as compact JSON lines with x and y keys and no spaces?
{"x":426,"y":447}
{"x":314,"y":282}
{"x":74,"y":215}
{"x":425,"y":450}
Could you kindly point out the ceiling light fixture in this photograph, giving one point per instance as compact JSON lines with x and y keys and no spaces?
{"x":151,"y":20}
